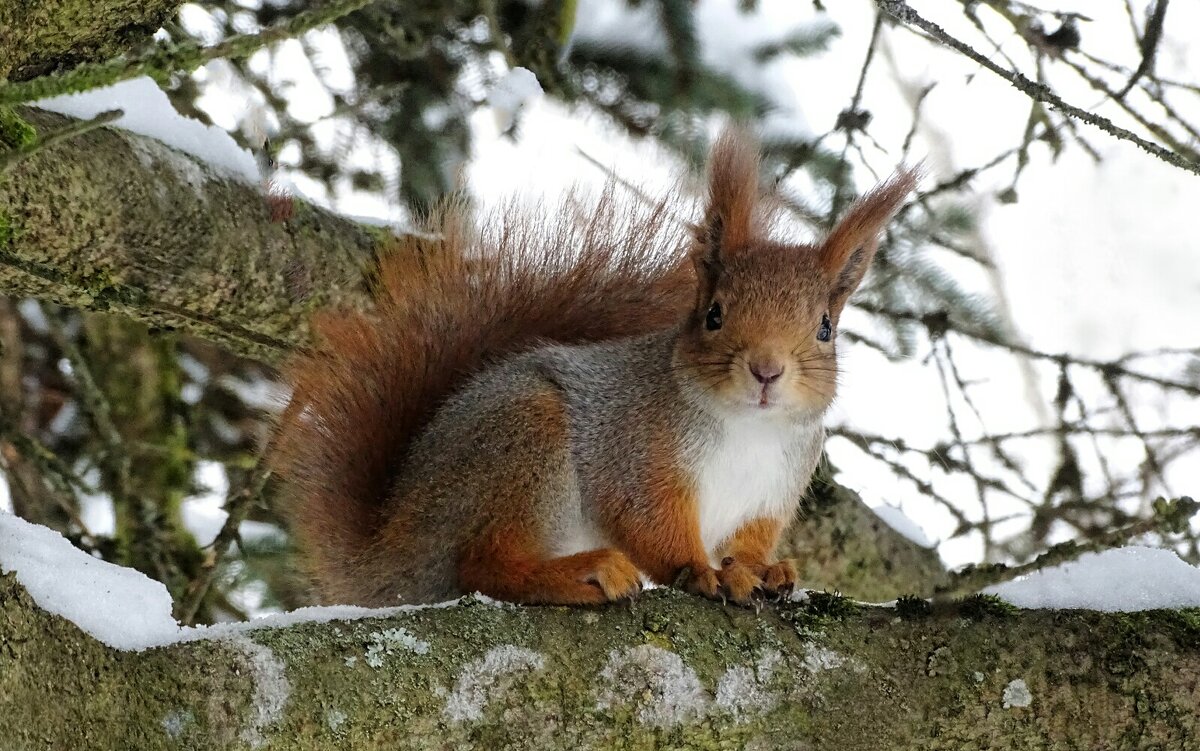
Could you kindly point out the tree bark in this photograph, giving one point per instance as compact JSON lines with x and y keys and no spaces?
{"x":43,"y":36}
{"x":840,"y":543}
{"x":669,"y":671}
{"x":117,"y":222}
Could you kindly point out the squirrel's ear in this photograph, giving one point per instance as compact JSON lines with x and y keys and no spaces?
{"x":728,"y":221}
{"x":847,"y":252}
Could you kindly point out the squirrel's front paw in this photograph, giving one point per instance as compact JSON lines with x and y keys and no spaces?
{"x":740,"y":582}
{"x":780,"y":577}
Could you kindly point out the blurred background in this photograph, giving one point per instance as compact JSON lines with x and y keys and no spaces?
{"x":1022,"y":367}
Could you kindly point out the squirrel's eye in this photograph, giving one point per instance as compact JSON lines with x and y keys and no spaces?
{"x":713,"y":320}
{"x":825,"y":332}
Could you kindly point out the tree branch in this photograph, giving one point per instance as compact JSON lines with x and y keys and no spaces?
{"x":163,"y":59}
{"x":118,"y":222}
{"x":41,"y":36}
{"x":670,"y":671}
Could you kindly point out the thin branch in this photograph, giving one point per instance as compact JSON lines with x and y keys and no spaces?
{"x":10,"y":159}
{"x":1169,"y":516}
{"x":238,"y":506}
{"x":97,"y":408}
{"x":905,"y":14}
{"x":1150,"y":40}
{"x":938,"y":324}
{"x":850,"y":119}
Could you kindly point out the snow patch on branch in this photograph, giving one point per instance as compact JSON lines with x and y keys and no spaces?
{"x":119,"y":606}
{"x":148,"y":112}
{"x":895,"y":518}
{"x":489,"y":678}
{"x":1121,"y":580}
{"x":668,"y":691}
{"x":126,"y":609}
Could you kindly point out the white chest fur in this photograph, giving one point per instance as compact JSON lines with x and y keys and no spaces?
{"x":755,"y":468}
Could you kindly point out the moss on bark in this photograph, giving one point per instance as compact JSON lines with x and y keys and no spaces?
{"x":116,"y":222}
{"x":43,"y":36}
{"x":667,"y":672}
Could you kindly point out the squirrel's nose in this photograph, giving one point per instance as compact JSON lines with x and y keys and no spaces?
{"x":766,"y":371}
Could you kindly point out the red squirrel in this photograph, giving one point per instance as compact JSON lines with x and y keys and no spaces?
{"x":548,"y":410}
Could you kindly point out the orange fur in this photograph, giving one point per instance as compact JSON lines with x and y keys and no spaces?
{"x":507,"y":564}
{"x":733,"y":193}
{"x":661,"y":531}
{"x":754,"y":541}
{"x":746,"y":555}
{"x":861,"y":225}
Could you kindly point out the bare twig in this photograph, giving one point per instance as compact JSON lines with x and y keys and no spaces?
{"x":238,"y":506}
{"x":905,"y":14}
{"x":1149,"y":45}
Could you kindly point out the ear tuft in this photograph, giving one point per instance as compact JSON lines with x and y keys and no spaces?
{"x":847,"y":252}
{"x":732,"y":195}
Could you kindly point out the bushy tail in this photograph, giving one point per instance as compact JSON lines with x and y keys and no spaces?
{"x":446,"y":305}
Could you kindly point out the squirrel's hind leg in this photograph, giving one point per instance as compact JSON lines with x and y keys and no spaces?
{"x":518,"y":474}
{"x":506,"y":565}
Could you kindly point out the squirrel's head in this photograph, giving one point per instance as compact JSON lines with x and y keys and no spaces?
{"x":762,"y":334}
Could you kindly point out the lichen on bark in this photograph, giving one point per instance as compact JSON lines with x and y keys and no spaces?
{"x":669,"y":671}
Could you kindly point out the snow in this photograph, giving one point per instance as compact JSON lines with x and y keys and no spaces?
{"x":510,"y":93}
{"x":149,"y":112}
{"x":125,"y":609}
{"x":313,"y":614}
{"x":488,"y":678}
{"x":1120,"y":580}
{"x":899,"y":521}
{"x":118,"y":606}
